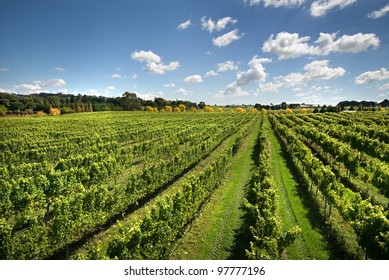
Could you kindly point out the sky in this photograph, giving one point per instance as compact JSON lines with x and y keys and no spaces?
{"x":217,"y":51}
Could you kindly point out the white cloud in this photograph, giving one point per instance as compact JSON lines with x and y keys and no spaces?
{"x":384,"y":86}
{"x":211,"y":74}
{"x":183,"y":91}
{"x":30,"y":87}
{"x":380,"y":13}
{"x":4,"y":69}
{"x":184,"y":25}
{"x":315,"y":70}
{"x":92,"y":91}
{"x":118,"y":76}
{"x":150,"y":95}
{"x":287,"y":45}
{"x":160,"y":68}
{"x":169,"y":85}
{"x":109,"y":89}
{"x":291,"y":45}
{"x":193,"y":79}
{"x":321,"y":7}
{"x":276,"y":3}
{"x":153,"y":62}
{"x":145,"y":56}
{"x":319,"y":70}
{"x":227,"y":38}
{"x":53,"y":83}
{"x":211,"y":26}
{"x":59,"y":69}
{"x":5,"y":90}
{"x":233,"y":90}
{"x":255,"y":73}
{"x":38,"y":86}
{"x":135,"y":76}
{"x":229,"y":65}
{"x":372,"y":76}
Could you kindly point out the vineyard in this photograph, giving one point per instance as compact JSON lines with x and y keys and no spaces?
{"x":132,"y":185}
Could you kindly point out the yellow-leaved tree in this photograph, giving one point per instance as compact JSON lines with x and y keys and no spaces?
{"x":208,"y":109}
{"x":55,"y":111}
{"x":240,"y":110}
{"x":182,"y":107}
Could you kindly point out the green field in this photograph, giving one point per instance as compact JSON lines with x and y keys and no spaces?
{"x":216,"y":185}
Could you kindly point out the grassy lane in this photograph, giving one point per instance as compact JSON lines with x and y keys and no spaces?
{"x":294,"y":209}
{"x":213,"y":233}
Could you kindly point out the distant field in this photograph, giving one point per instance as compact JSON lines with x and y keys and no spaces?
{"x":133,"y":185}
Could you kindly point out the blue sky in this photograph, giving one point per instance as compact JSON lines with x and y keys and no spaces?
{"x":217,"y":51}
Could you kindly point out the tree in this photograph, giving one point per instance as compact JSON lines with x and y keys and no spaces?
{"x":182,"y":107}
{"x":201,"y":105}
{"x":168,"y":108}
{"x":208,"y":109}
{"x":131,"y":102}
{"x":54,"y":111}
{"x":3,"y":110}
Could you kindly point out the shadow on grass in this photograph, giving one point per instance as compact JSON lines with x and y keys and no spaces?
{"x":242,"y":235}
{"x":314,"y":214}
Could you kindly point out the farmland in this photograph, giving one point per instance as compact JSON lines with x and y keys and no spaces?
{"x":217,"y":185}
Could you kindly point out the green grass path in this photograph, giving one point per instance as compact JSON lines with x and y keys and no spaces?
{"x":293,"y":209}
{"x":212,"y":235}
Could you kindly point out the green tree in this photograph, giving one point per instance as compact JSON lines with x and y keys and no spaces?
{"x":3,"y":110}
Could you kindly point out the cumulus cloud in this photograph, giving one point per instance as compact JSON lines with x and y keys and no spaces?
{"x":150,"y":95}
{"x":320,"y":8}
{"x":183,"y":91}
{"x":229,"y":65}
{"x":384,"y":86}
{"x":59,"y":69}
{"x":372,"y":76}
{"x":118,"y":76}
{"x":227,"y":38}
{"x":380,"y":13}
{"x":184,"y":25}
{"x":92,"y":91}
{"x":153,"y":62}
{"x":291,"y":45}
{"x":169,"y":85}
{"x":319,"y":70}
{"x":38,"y":86}
{"x":211,"y":26}
{"x":255,"y":73}
{"x":211,"y":74}
{"x":145,"y":56}
{"x":193,"y":79}
{"x":4,"y":69}
{"x":53,"y":83}
{"x":276,"y":3}
{"x":315,"y":70}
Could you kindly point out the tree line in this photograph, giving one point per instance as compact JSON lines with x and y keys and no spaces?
{"x":18,"y":104}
